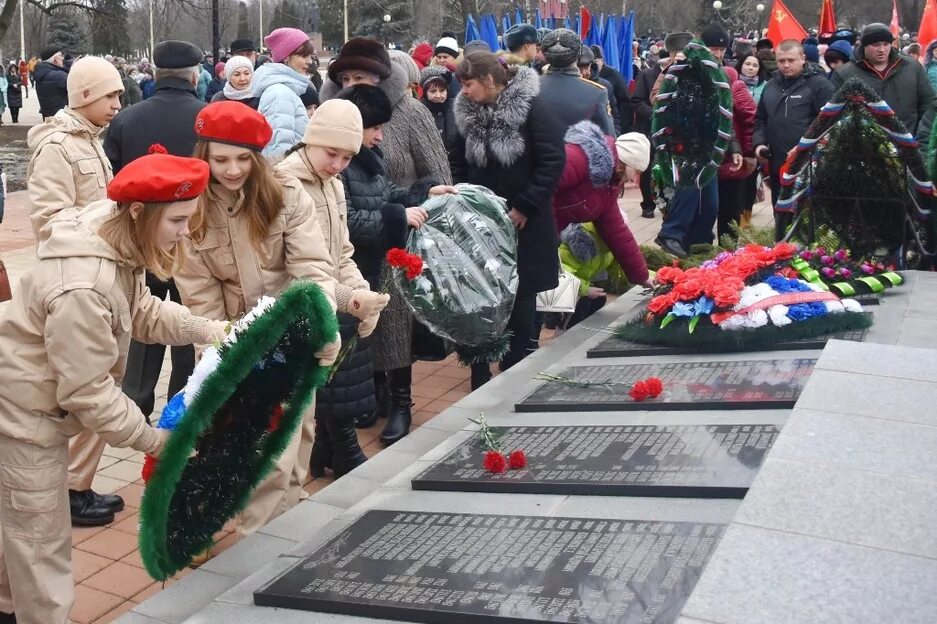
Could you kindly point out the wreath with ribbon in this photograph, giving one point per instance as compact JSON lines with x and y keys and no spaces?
{"x":692,"y":121}
{"x":242,"y":404}
{"x":851,"y":165}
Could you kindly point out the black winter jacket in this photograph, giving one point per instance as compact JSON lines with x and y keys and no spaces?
{"x":167,"y":118}
{"x":351,"y":391}
{"x":445,"y":121}
{"x":51,"y":88}
{"x":641,"y":99}
{"x":622,"y":96}
{"x":377,"y":218}
{"x":786,"y":110}
{"x":515,"y":147}
{"x":14,"y":90}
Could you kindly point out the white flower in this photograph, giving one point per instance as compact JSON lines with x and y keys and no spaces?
{"x":778,"y":315}
{"x":758,"y":318}
{"x":852,"y":305}
{"x":834,"y":307}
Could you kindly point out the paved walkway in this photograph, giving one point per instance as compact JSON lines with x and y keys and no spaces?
{"x":108,"y":571}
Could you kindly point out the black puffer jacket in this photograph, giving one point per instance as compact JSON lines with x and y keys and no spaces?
{"x":445,"y":121}
{"x":377,"y":218}
{"x":51,"y":88}
{"x":351,"y":391}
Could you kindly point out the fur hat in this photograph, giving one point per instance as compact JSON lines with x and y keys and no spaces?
{"x":372,"y":103}
{"x":715,"y":36}
{"x":49,"y":51}
{"x":519,"y":35}
{"x":561,"y":48}
{"x":90,"y":79}
{"x":447,"y":45}
{"x":173,"y":54}
{"x":363,"y":53}
{"x":159,"y":177}
{"x":233,"y":123}
{"x":335,"y":124}
{"x":435,"y":72}
{"x":875,"y":33}
{"x":634,"y":149}
{"x":242,"y":45}
{"x":675,"y":42}
{"x":541,"y":33}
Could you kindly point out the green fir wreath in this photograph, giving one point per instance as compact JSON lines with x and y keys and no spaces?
{"x":234,"y":428}
{"x":692,"y":121}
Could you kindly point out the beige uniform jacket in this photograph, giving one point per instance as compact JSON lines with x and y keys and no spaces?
{"x":332,"y":215}
{"x":223,"y":275}
{"x":64,"y":337}
{"x":68,"y":167}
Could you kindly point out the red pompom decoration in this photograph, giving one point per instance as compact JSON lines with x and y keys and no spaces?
{"x":639,"y":391}
{"x":517,"y":460}
{"x":149,"y":465}
{"x":156,"y":148}
{"x":654,"y":386}
{"x":495,"y":462}
{"x":275,"y":418}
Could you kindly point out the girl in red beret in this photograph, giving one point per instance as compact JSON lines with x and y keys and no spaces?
{"x":69,"y":327}
{"x":255,"y":233}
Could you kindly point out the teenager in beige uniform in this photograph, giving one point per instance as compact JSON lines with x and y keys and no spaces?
{"x":68,"y":331}
{"x":69,"y":168}
{"x":255,"y":233}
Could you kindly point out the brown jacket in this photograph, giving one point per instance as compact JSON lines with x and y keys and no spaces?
{"x":68,"y":166}
{"x":332,"y":215}
{"x":65,"y":336}
{"x":223,"y":276}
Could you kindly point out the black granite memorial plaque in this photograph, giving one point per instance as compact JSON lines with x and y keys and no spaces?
{"x":616,"y":347}
{"x":747,"y":384}
{"x":449,"y":568}
{"x":696,"y":461}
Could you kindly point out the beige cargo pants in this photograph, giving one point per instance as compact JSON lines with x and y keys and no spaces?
{"x":35,"y":533}
{"x":84,"y":455}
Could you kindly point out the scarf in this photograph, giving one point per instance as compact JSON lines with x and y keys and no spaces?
{"x":233,"y":94}
{"x":234,"y":63}
{"x":750,"y":81}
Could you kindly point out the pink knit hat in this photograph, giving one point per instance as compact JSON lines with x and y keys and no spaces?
{"x":284,"y":41}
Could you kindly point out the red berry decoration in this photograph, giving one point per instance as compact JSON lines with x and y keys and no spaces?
{"x":495,"y":462}
{"x":149,"y":465}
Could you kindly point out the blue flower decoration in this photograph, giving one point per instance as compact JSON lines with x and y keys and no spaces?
{"x":172,"y":413}
{"x":703,"y":305}
{"x":683,"y":309}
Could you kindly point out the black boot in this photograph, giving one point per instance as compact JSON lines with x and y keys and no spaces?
{"x":383,"y":402}
{"x":399,"y":419}
{"x":88,"y":510}
{"x":346,"y":452}
{"x":112,"y":501}
{"x":322,"y":450}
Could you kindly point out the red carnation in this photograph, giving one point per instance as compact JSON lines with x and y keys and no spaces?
{"x":639,"y":391}
{"x":784,"y":251}
{"x":414,"y":266}
{"x":517,"y":460}
{"x":654,"y":386}
{"x":661,"y":303}
{"x":726,"y":297}
{"x":149,"y":466}
{"x":495,"y":462}
{"x":397,"y":257}
{"x":668,"y":275}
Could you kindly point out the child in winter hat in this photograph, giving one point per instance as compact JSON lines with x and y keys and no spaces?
{"x":90,"y":79}
{"x":336,"y":125}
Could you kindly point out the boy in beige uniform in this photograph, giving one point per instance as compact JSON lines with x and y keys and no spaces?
{"x":69,"y":168}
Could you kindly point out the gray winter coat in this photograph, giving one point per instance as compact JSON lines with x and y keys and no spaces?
{"x":412,"y":146}
{"x":904,"y":86}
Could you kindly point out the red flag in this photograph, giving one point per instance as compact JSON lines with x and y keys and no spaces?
{"x":585,"y":22}
{"x":827,"y":20}
{"x":783,"y":25}
{"x":895,"y":27}
{"x":927,"y":31}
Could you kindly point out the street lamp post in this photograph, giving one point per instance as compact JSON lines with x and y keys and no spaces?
{"x":386,"y":24}
{"x":151,"y":32}
{"x":761,"y":9}
{"x":22,"y":32}
{"x":260,"y":4}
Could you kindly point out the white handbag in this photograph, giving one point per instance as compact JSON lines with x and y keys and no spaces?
{"x":563,"y":298}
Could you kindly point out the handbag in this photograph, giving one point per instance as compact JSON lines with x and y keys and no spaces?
{"x":563,"y":298}
{"x":5,"y":293}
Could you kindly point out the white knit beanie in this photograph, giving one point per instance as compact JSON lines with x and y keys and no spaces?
{"x":237,"y":62}
{"x":634,"y":150}
{"x":90,"y":79}
{"x":336,"y":124}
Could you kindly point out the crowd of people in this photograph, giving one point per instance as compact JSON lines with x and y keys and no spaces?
{"x":168,"y":197}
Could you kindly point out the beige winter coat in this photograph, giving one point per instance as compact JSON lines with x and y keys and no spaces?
{"x":64,"y":338}
{"x":332,"y":215}
{"x":68,"y":167}
{"x":223,"y":276}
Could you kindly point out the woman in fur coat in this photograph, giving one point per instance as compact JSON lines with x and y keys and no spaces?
{"x":509,"y":142}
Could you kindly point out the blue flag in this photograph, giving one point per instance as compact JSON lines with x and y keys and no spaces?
{"x":538,"y":22}
{"x":625,"y":49}
{"x":519,"y":17}
{"x":489,"y":32}
{"x":610,"y":43}
{"x":471,"y":30}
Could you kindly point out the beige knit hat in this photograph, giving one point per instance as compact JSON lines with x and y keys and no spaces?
{"x":335,"y":124}
{"x":90,"y":79}
{"x":634,"y":150}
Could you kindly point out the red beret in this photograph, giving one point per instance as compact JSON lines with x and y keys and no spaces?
{"x":159,"y":177}
{"x":233,"y":123}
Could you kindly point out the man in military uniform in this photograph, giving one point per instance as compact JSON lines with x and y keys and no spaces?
{"x":570,"y":97}
{"x":589,"y":69}
{"x":521,"y":41}
{"x":167,"y":118}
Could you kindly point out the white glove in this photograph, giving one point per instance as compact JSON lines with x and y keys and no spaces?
{"x":366,"y":327}
{"x":365,"y":303}
{"x":329,"y":353}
